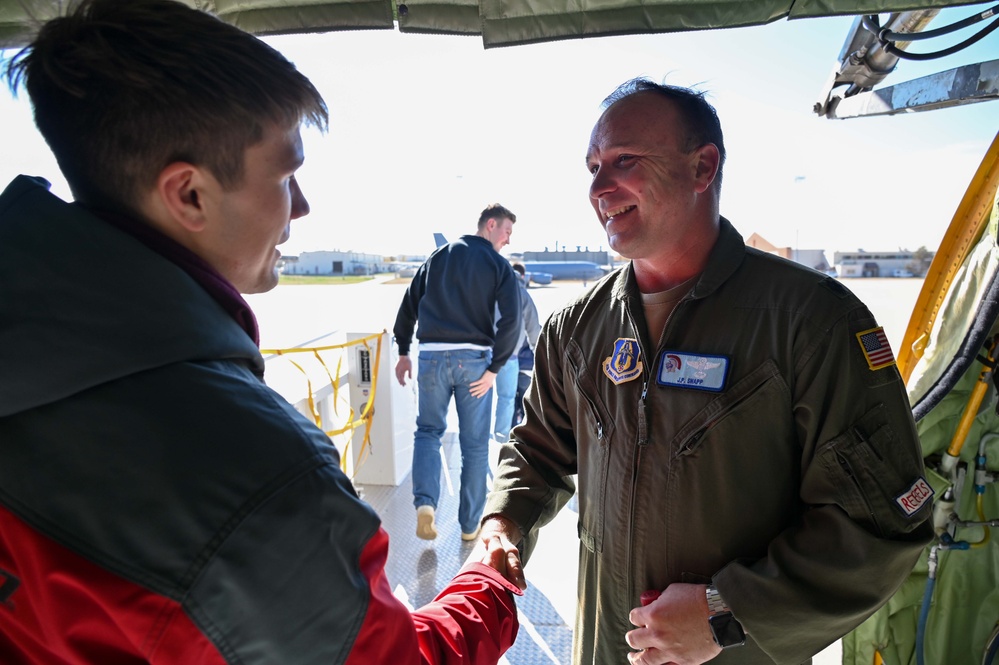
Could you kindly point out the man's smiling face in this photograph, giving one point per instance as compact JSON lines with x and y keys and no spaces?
{"x":643,"y":181}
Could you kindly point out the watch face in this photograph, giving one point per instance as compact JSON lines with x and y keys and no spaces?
{"x":727,"y":631}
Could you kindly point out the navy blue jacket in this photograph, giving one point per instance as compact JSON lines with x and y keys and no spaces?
{"x":455,"y":295}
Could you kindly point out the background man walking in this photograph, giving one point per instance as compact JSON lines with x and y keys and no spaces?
{"x":454,"y":299}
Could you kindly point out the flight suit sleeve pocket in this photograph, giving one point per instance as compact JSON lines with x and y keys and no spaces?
{"x":874,"y":476}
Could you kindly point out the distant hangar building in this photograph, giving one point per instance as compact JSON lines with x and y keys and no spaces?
{"x":902,"y":263}
{"x":334,"y":263}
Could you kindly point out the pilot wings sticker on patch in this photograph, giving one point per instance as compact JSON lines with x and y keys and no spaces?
{"x":624,"y":364}
{"x":692,"y":370}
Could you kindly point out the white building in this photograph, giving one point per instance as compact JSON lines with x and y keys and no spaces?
{"x":902,"y":263}
{"x":334,"y":263}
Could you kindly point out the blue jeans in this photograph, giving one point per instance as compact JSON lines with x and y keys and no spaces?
{"x":441,"y":374}
{"x":506,"y":395}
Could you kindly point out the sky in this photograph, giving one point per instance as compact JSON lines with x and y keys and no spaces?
{"x":425,"y":131}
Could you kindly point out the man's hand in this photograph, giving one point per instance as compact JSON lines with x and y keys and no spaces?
{"x":673,"y":628}
{"x":496,"y":553}
{"x":506,"y":533}
{"x":477,"y":388}
{"x":403,"y":368}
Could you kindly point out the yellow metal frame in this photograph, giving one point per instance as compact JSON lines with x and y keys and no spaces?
{"x":965,"y":230}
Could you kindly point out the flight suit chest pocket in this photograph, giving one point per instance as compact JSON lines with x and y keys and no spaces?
{"x":593,"y":427}
{"x":875,"y":477}
{"x":742,"y":409}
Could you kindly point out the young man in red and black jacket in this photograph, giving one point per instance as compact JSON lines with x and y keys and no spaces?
{"x":158,"y":502}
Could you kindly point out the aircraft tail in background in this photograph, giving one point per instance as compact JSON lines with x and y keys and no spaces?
{"x":439,"y":239}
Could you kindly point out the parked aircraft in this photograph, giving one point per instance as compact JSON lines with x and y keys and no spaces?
{"x":584,"y":270}
{"x":543,"y":272}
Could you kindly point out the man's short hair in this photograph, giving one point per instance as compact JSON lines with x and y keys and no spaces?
{"x":701,"y":123}
{"x":495,"y":211}
{"x":123,"y":89}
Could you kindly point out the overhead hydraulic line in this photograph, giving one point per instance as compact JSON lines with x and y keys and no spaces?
{"x":887,"y":38}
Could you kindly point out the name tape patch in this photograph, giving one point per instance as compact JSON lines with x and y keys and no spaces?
{"x":915,"y":497}
{"x":692,"y":370}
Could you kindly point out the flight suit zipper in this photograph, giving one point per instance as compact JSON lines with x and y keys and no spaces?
{"x":643,"y":438}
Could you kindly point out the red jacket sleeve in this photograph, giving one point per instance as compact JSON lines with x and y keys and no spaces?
{"x":473,"y":621}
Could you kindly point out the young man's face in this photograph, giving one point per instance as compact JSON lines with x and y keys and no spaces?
{"x":249,"y":222}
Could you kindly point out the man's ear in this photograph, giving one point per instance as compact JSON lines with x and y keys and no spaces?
{"x":706,"y":160}
{"x":181,"y":189}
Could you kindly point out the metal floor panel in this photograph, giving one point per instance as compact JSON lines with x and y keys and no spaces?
{"x":419,"y":569}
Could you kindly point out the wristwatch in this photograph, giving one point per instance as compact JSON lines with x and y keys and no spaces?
{"x":725,"y":628}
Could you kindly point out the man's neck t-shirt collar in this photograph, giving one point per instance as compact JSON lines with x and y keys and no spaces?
{"x":211,"y":280}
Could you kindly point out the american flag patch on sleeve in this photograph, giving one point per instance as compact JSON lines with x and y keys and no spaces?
{"x":874,"y":344}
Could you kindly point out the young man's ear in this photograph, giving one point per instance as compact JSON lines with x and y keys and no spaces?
{"x":181,"y":189}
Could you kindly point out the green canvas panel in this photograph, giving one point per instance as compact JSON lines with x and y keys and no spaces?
{"x":960,"y":303}
{"x":500,"y":22}
{"x":965,"y":603}
{"x":296,"y":17}
{"x":440,"y":17}
{"x":816,"y":8}
{"x":507,"y":22}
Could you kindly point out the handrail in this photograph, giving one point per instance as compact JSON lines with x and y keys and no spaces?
{"x":367,"y":412}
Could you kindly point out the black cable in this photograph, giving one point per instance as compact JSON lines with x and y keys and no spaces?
{"x":886,"y":35}
{"x":905,"y":55}
{"x":870,"y":22}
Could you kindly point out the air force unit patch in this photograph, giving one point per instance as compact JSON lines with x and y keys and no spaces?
{"x":689,"y":370}
{"x":625,"y":363}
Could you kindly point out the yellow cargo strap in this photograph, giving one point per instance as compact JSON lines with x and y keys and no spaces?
{"x":352,"y":423}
